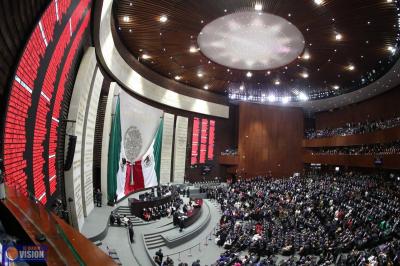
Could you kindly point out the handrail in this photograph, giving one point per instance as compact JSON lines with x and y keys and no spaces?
{"x":208,"y":236}
{"x":52,"y":236}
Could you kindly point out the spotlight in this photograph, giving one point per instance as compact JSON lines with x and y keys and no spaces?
{"x":146,"y":56}
{"x":258,"y":7}
{"x":163,"y":19}
{"x":285,"y":99}
{"x":192,"y":49}
{"x":271,"y":98}
{"x":249,"y":74}
{"x":303,"y":96}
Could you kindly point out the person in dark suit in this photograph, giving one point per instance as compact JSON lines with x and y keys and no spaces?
{"x":160,"y":255}
{"x":196,"y":263}
{"x":112,"y":219}
{"x":131,"y":233}
{"x":98,"y":197}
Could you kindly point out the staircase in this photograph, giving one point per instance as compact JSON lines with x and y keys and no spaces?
{"x":124,"y":210}
{"x":154,"y":240}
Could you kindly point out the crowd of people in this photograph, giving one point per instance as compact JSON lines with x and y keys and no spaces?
{"x":231,"y":152}
{"x":373,"y":149}
{"x":349,"y":218}
{"x":165,"y":210}
{"x":162,"y":191}
{"x":353,"y":128}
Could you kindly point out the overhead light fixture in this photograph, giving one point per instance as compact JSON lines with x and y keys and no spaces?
{"x":205,"y":87}
{"x":338,"y":36}
{"x":303,"y":97}
{"x":178,"y":77}
{"x":163,"y":19}
{"x":241,"y":87}
{"x":200,"y":75}
{"x":249,"y":74}
{"x":271,"y":98}
{"x":304,"y":75}
{"x":146,"y":56}
{"x":285,"y":99}
{"x":351,"y":67}
{"x":277,"y":82}
{"x":391,"y":49}
{"x":306,"y":56}
{"x":258,"y":7}
{"x":192,"y":49}
{"x":318,"y":2}
{"x":335,"y":87}
{"x":126,"y":19}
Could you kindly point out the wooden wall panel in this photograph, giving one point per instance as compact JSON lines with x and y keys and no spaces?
{"x":270,"y":139}
{"x":380,"y":107}
{"x":383,"y":136}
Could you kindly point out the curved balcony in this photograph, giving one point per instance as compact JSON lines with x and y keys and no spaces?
{"x":391,"y":161}
{"x":382,"y":136}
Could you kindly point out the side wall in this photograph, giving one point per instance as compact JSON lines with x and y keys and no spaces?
{"x":270,"y":140}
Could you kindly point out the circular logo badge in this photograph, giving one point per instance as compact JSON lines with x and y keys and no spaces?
{"x":11,"y":253}
{"x":132,"y":143}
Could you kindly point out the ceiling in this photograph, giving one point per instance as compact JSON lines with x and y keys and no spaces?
{"x":347,"y":45}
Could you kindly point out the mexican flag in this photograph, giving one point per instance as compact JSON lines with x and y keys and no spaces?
{"x":135,"y":147}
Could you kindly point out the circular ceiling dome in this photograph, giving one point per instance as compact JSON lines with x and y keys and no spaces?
{"x":250,"y":40}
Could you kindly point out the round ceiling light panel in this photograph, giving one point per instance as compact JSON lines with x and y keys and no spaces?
{"x":251,"y":40}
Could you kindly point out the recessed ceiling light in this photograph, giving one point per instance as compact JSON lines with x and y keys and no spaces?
{"x":126,"y":19}
{"x":318,"y":2}
{"x":338,"y":36}
{"x":277,"y":82}
{"x":205,"y":87}
{"x":178,"y":77}
{"x":258,"y":7}
{"x":306,"y":56}
{"x":249,"y":74}
{"x":146,"y":56}
{"x":391,"y":49}
{"x":304,"y":75}
{"x":200,"y":75}
{"x":192,"y":49}
{"x":163,"y":19}
{"x":351,"y":67}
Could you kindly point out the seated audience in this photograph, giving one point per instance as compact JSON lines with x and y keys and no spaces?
{"x":353,"y":128}
{"x":310,"y":219}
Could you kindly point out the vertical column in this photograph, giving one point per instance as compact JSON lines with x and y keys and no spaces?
{"x":106,"y":139}
{"x":180,"y":149}
{"x":73,"y":177}
{"x":88,"y":141}
{"x":166,"y":149}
